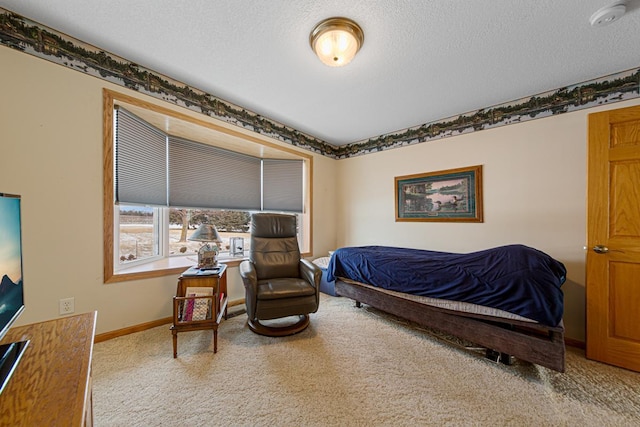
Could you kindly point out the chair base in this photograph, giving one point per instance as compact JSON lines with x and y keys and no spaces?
{"x":273,"y":331}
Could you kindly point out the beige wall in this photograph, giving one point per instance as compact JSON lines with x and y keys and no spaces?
{"x":51,"y":154}
{"x":534,"y":194}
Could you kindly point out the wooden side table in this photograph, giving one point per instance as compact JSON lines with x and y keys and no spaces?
{"x":200,"y":302}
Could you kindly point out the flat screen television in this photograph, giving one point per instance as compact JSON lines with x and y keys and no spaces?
{"x":11,"y":290}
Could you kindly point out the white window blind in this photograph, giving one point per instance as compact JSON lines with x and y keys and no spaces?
{"x":153,"y":168}
{"x":202,"y":176}
{"x":282,"y":185}
{"x":140,"y":161}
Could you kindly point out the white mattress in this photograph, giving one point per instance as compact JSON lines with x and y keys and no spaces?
{"x":464,"y":307}
{"x":322,"y":262}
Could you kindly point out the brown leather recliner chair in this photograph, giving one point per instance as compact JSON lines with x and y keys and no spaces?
{"x":278,"y":282}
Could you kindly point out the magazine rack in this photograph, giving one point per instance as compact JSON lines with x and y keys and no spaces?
{"x":200,"y":302}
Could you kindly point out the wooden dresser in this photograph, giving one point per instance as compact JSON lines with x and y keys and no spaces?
{"x":51,"y":385}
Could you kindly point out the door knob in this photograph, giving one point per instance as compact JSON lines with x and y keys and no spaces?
{"x":599,"y":249}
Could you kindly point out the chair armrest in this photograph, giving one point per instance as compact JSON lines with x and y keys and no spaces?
{"x":311,"y":273}
{"x":248,"y":273}
{"x":250,"y":280}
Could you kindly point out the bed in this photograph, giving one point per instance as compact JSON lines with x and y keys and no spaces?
{"x":507,"y":300}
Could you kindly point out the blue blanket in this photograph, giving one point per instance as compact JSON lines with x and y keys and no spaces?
{"x":514,"y":278}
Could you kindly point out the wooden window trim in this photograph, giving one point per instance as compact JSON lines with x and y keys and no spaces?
{"x":166,"y":267}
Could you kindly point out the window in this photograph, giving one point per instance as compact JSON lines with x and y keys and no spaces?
{"x":160,"y":186}
{"x":141,"y":231}
{"x":138,"y":231}
{"x":184,"y":222}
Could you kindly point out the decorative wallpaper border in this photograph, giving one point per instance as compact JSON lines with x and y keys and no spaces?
{"x":593,"y":93}
{"x":30,"y":37}
{"x":35,"y":39}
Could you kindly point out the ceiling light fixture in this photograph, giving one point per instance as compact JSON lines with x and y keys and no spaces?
{"x":336,"y":41}
{"x":608,"y":14}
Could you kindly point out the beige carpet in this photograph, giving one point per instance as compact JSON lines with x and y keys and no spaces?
{"x":351,"y":367}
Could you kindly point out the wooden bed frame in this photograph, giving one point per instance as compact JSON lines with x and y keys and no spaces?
{"x":532,"y":342}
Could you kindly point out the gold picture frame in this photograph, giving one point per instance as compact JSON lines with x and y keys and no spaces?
{"x":453,"y":195}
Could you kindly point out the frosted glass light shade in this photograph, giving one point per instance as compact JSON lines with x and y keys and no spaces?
{"x":206,"y":233}
{"x":336,"y":41}
{"x":208,"y":253}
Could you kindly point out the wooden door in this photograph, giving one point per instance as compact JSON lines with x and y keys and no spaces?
{"x":613,"y":238}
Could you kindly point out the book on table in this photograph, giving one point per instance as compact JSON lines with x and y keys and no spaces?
{"x":197,"y":308}
{"x":196,"y":271}
{"x":187,"y":308}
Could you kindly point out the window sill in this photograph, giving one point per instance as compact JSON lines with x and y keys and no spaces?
{"x":163,"y":267}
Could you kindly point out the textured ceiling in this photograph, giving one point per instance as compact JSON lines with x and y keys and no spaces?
{"x":421,"y":60}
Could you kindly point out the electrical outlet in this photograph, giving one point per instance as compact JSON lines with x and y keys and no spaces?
{"x":66,"y":306}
